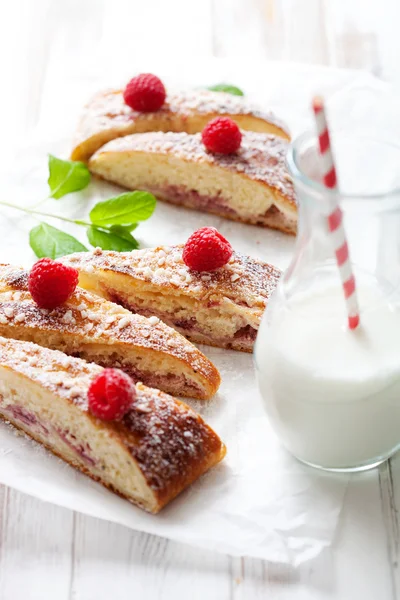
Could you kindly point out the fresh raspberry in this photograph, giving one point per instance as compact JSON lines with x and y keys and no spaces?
{"x":206,"y":250}
{"x":145,"y":93}
{"x":111,"y":394}
{"x":222,"y":135}
{"x":51,"y":283}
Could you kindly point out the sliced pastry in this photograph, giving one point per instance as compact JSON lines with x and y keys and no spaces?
{"x":220,"y":308}
{"x":152,"y":453}
{"x":92,"y":328}
{"x":107,"y":117}
{"x":252,"y":185}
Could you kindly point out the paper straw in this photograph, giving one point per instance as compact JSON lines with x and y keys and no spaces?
{"x":335,"y":218}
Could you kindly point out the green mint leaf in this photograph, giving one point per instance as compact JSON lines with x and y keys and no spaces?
{"x":107,"y":240}
{"x":226,"y":87}
{"x":123,"y":231}
{"x":120,"y":228}
{"x":49,"y":241}
{"x":124,"y":209}
{"x":66,"y":176}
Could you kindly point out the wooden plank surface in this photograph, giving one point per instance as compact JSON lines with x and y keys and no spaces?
{"x":49,"y":553}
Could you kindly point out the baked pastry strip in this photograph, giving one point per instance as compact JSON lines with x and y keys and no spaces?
{"x":220,"y":308}
{"x":252,"y":185}
{"x":159,"y":448}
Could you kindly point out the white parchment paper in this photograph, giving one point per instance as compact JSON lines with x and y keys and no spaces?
{"x":259,"y":502}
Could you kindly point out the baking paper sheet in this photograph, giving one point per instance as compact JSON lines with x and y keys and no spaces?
{"x":259,"y":502}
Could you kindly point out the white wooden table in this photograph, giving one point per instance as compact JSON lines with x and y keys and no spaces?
{"x":47,"y":552}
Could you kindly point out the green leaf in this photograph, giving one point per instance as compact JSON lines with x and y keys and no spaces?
{"x":107,"y":240}
{"x":66,"y":176}
{"x":124,"y":209}
{"x":226,"y":87}
{"x":46,"y":240}
{"x":120,"y":229}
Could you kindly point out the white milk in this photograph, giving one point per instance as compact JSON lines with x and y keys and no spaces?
{"x":333,"y":395}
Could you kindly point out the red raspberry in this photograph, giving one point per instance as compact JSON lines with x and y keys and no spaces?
{"x":222,"y":135}
{"x":51,"y":283}
{"x":206,"y":250}
{"x":111,"y":394}
{"x":145,"y":93}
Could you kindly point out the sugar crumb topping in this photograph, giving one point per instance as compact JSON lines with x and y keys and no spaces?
{"x":124,"y":322}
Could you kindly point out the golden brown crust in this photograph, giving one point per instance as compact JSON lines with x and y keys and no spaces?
{"x":189,"y":447}
{"x":89,"y":319}
{"x":171,"y":444}
{"x":107,"y":117}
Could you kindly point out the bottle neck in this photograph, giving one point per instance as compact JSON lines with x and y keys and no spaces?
{"x":369,"y":196}
{"x":373,"y":239}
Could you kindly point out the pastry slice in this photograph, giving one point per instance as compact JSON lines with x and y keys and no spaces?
{"x":220,"y":308}
{"x":107,"y":117}
{"x":253,"y":185}
{"x":159,"y":447}
{"x":105,"y":333}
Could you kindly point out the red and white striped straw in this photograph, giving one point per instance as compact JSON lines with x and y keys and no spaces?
{"x":335,"y":218}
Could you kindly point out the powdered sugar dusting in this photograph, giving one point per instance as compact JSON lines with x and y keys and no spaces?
{"x":45,"y":366}
{"x":210,"y":102}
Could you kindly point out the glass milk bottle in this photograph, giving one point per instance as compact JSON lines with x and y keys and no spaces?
{"x":332,"y":394}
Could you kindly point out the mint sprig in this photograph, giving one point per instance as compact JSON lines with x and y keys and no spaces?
{"x":66,"y":176}
{"x":110,"y":221}
{"x":226,"y":87}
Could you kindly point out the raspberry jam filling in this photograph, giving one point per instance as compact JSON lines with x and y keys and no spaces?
{"x":82,"y":449}
{"x":170,"y":381}
{"x":184,"y":196}
{"x":181,"y":195}
{"x":186,"y":324}
{"x":247,"y":334}
{"x":21,"y":415}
